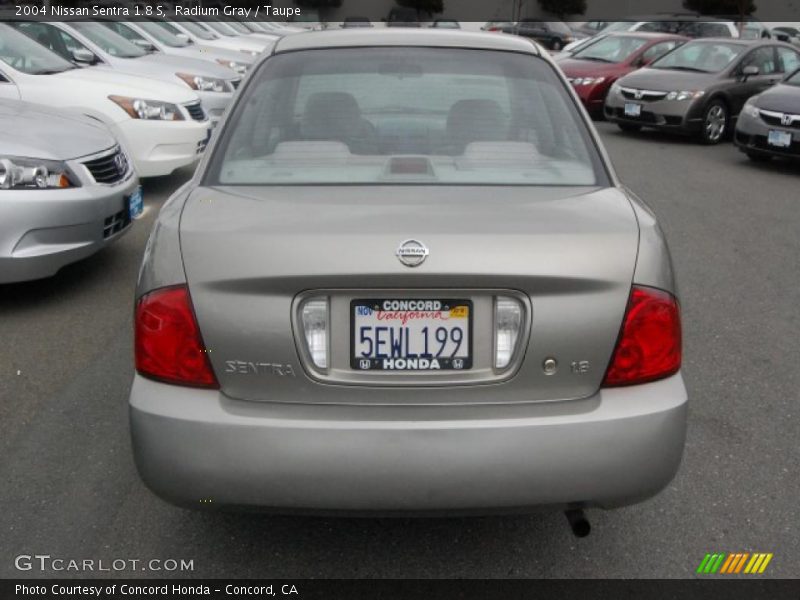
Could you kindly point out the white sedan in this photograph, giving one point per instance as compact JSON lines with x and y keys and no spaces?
{"x":96,"y":46}
{"x":201,"y":35}
{"x":161,"y":126}
{"x":167,"y":39}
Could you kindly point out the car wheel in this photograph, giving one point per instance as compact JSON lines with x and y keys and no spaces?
{"x":715,"y":123}
{"x":758,"y":157}
{"x":556,"y":46}
{"x":629,"y":127}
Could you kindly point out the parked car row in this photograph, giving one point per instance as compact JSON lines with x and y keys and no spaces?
{"x":87,"y":108}
{"x":701,"y":87}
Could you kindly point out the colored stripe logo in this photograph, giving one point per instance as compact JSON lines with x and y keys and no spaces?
{"x":734,"y":563}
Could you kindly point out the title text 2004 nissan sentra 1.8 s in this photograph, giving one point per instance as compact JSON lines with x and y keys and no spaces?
{"x":407,"y":279}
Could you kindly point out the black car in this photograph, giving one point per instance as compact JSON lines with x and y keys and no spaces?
{"x":553,"y":35}
{"x":770,"y":122}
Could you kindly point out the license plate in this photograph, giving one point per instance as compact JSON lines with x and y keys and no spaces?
{"x":136,"y":204}
{"x":632,"y":109}
{"x":391,"y":334}
{"x":781,"y":139}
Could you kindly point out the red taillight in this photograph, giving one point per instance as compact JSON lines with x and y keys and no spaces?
{"x":649,"y":345}
{"x":168,"y":343}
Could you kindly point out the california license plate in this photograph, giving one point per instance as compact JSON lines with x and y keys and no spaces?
{"x":411,"y":334}
{"x":781,"y":139}
{"x":632,"y":109}
{"x":136,"y":204}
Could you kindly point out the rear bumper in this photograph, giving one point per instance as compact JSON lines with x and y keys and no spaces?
{"x":618,"y":447}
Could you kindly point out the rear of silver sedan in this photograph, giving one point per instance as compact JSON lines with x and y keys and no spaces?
{"x":406,"y":280}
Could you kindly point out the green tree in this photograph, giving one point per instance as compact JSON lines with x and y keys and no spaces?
{"x":562,"y":8}
{"x":721,"y":7}
{"x":428,"y":7}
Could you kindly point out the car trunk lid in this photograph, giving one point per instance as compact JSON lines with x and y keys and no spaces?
{"x":249,"y":252}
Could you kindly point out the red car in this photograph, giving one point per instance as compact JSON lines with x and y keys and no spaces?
{"x":593,"y":69}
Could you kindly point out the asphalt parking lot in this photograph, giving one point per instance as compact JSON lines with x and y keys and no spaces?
{"x":69,"y":487}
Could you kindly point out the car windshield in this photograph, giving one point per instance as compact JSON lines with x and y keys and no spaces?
{"x":222,"y":28}
{"x":108,"y":41}
{"x":619,"y":26}
{"x":238,"y":27}
{"x":161,"y":35}
{"x":199,"y":31}
{"x":794,"y":79}
{"x":21,"y":53}
{"x":406,"y":116}
{"x":703,"y":57}
{"x":613,"y":49}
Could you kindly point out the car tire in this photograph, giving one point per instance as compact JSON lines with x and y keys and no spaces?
{"x":758,"y":157}
{"x":715,"y":122}
{"x":556,"y":45}
{"x":629,"y":127}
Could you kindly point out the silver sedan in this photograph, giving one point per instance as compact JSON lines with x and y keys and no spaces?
{"x":66,"y":190}
{"x":414,"y":283}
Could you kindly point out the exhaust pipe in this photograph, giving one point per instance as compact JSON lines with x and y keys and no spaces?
{"x":578,"y":522}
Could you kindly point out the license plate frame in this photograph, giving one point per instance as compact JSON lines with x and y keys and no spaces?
{"x":404,"y":362}
{"x":134,"y":203}
{"x":632,"y":109}
{"x":779,"y":139}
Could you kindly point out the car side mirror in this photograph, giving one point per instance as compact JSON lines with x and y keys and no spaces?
{"x":749,"y":71}
{"x":183,"y":37}
{"x":83,"y":56}
{"x":145,"y":45}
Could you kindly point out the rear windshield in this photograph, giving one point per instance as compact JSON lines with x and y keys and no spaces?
{"x":406,"y":115}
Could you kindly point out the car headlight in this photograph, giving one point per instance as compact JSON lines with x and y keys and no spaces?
{"x":203,"y":84}
{"x":240,"y":68}
{"x":149,"y":110}
{"x":685,"y":95}
{"x":751,"y":110}
{"x":588,"y":80}
{"x":616,"y":88}
{"x":250,"y":52}
{"x":18,"y":173}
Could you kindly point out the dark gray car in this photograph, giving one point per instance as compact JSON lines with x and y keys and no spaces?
{"x":406,"y":278}
{"x":770,"y":122}
{"x":699,"y":88}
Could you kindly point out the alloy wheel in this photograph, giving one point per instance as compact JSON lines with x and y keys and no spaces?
{"x":715,"y":123}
